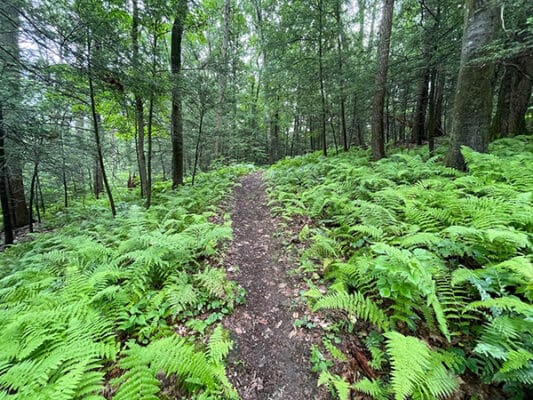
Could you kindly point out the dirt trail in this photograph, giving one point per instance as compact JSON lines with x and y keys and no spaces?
{"x":270,"y":359}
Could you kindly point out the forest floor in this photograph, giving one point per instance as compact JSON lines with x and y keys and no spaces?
{"x":270,"y":356}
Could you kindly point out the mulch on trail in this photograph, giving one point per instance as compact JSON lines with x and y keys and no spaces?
{"x":270,"y":358}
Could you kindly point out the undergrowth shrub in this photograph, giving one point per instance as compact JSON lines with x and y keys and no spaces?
{"x":101,"y":298}
{"x":421,"y":251}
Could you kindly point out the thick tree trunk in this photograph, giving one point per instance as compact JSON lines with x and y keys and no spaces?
{"x":378,"y":103}
{"x":514,"y":97}
{"x":473,"y":96}
{"x":177,"y":118}
{"x":10,"y":90}
{"x":17,"y":197}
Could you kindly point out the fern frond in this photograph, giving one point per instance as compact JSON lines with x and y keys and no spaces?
{"x":214,"y":280}
{"x":415,"y":371}
{"x":355,"y":304}
{"x":375,"y":388}
{"x":219,"y":345}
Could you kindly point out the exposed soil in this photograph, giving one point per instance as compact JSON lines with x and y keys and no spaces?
{"x":270,"y":358}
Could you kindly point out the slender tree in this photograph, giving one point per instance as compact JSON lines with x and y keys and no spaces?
{"x":177,"y":117}
{"x":96,"y":127}
{"x":139,"y":104}
{"x":4,"y":198}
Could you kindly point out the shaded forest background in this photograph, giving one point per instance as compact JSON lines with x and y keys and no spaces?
{"x":97,"y":95}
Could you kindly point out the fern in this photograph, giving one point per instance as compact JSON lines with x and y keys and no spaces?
{"x":69,"y":300}
{"x":416,"y":371}
{"x":431,"y":247}
{"x":214,"y":281}
{"x":374,"y":388}
{"x":354,"y":304}
{"x":335,"y":382}
{"x":219,"y":345}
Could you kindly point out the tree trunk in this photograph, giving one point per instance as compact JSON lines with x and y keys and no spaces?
{"x":222,"y":78}
{"x":378,"y":103}
{"x":10,"y":90}
{"x":17,"y":197}
{"x":98,"y":181}
{"x":139,"y":106}
{"x":342,"y":96}
{"x":4,"y":197}
{"x":513,"y":98}
{"x":321,"y":78}
{"x":435,"y":108}
{"x":63,"y":173}
{"x":274,"y":136}
{"x":151,"y":123}
{"x":177,"y":118}
{"x":419,"y":120}
{"x":473,"y":95}
{"x":41,"y":197}
{"x":198,"y":141}
{"x":32,"y":192}
{"x":96,"y":128}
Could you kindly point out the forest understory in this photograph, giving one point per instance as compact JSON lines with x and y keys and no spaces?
{"x":351,"y":279}
{"x":266,"y":199}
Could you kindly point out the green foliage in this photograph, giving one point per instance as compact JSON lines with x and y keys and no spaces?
{"x":336,"y":384}
{"x":410,"y":245}
{"x":195,"y":370}
{"x":355,"y":304}
{"x":416,"y":370}
{"x":70,"y":300}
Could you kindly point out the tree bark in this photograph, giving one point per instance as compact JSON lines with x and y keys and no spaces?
{"x":473,"y":95}
{"x":177,"y":117}
{"x":342,"y":96}
{"x":378,"y":103}
{"x":17,"y":197}
{"x":32,"y":192}
{"x":4,"y":197}
{"x":513,"y":97}
{"x":10,"y":89}
{"x":222,"y":78}
{"x":198,"y":141}
{"x":419,"y":122}
{"x":435,"y":108}
{"x":96,"y":128}
{"x":321,"y":78}
{"x":139,"y":105}
{"x":274,"y":136}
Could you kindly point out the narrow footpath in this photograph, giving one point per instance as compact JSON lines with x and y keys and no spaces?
{"x":270,"y":358}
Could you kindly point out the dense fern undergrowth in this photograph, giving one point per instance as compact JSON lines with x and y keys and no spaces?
{"x":111,"y":308}
{"x":432,"y":264}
